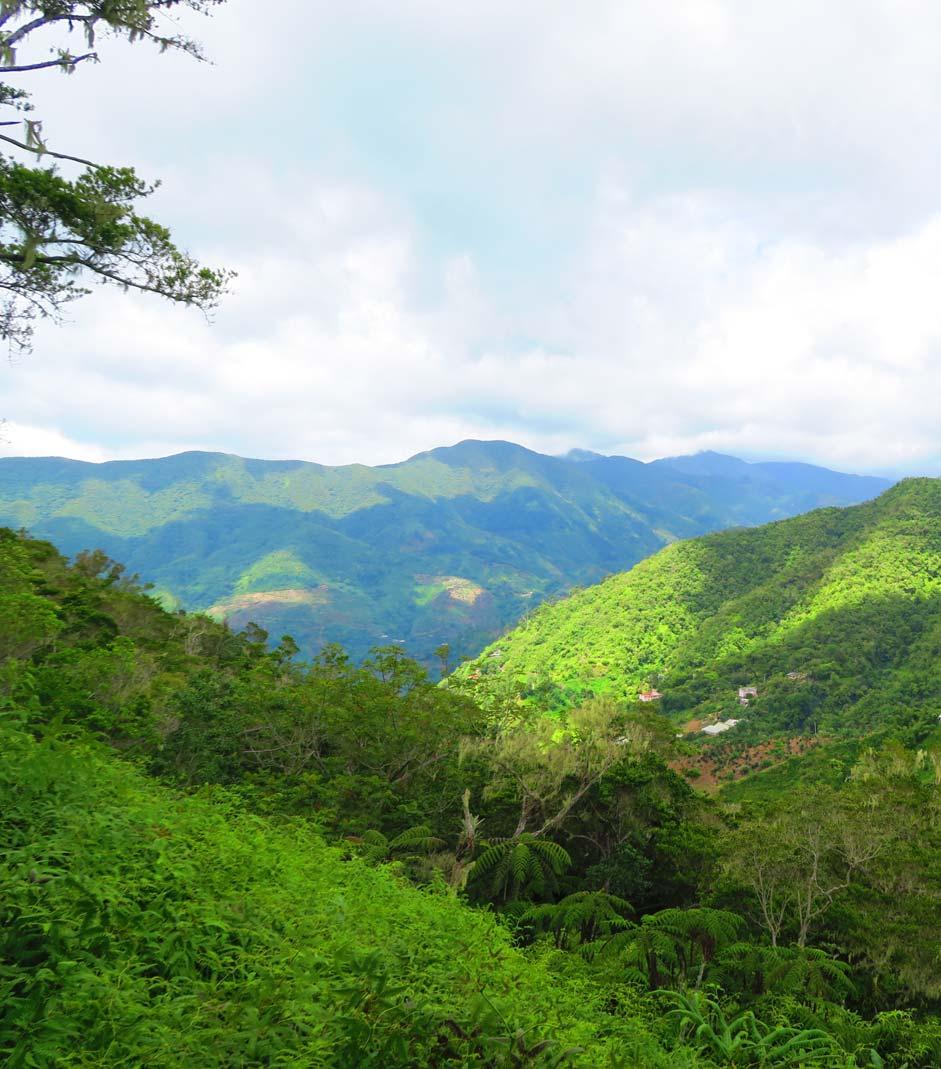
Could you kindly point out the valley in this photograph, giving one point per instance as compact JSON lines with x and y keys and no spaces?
{"x":451,"y":546}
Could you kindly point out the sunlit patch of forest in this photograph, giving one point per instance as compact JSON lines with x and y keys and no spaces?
{"x":834,"y":616}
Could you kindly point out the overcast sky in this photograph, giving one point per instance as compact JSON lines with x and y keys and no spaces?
{"x":638,"y":227}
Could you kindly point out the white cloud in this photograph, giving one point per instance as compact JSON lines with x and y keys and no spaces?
{"x":18,"y":440}
{"x":681,"y":331}
{"x":736,"y":205}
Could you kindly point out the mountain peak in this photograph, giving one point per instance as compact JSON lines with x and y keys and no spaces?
{"x":707,"y":462}
{"x":474,"y":452}
{"x":861,"y":587}
{"x":580,"y":456}
{"x":391,"y":550}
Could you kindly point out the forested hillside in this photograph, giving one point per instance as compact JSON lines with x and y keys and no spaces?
{"x":833,"y":617}
{"x":451,"y":546}
{"x":140,"y":928}
{"x":318,"y":863}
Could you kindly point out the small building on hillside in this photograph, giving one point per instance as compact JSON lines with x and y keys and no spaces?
{"x":748,"y":692}
{"x":649,"y":695}
{"x":718,"y":728}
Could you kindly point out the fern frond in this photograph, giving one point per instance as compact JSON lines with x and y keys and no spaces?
{"x":417,"y":838}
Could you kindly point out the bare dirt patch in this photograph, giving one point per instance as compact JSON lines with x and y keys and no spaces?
{"x":458,"y":588}
{"x":708,"y":773}
{"x":222,"y":610}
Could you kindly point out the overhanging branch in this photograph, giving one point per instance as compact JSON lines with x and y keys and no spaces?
{"x":44,"y":20}
{"x":46,"y":152}
{"x":65,"y":62}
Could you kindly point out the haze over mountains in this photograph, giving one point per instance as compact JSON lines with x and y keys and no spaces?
{"x":452,"y":545}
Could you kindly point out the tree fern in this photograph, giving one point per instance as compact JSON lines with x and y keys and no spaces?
{"x":758,"y":970}
{"x":524,"y":865}
{"x":697,"y":935}
{"x":418,"y":840}
{"x":642,"y":951}
{"x":580,"y":917}
{"x":673,"y":946}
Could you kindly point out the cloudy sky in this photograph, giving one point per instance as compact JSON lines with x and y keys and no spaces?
{"x":628,"y":225}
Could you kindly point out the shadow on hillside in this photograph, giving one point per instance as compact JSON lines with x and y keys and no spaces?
{"x":520,"y":547}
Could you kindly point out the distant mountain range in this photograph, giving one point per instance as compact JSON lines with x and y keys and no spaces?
{"x":452,"y":545}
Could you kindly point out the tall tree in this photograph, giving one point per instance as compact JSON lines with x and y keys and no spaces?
{"x":58,"y":230}
{"x":549,"y":766}
{"x":798,"y":860}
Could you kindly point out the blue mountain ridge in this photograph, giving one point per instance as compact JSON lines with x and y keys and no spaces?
{"x":453,"y":545}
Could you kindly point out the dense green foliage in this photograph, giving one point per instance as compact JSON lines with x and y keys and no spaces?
{"x":448,"y":547}
{"x":352,"y":865}
{"x":835,"y":617}
{"x":141,"y":928}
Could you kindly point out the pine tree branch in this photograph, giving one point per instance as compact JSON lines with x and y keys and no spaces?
{"x":19,"y":260}
{"x":47,"y":152}
{"x":44,"y":20}
{"x":65,"y":61}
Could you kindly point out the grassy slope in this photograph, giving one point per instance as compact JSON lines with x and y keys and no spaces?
{"x":140,"y":927}
{"x":207,"y":528}
{"x":851,"y":597}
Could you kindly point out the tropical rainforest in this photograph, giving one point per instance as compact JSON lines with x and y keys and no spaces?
{"x":216,"y":851}
{"x":686,"y":818}
{"x":450,"y":546}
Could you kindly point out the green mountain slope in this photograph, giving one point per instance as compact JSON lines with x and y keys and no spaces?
{"x":450,"y":546}
{"x":834,"y":616}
